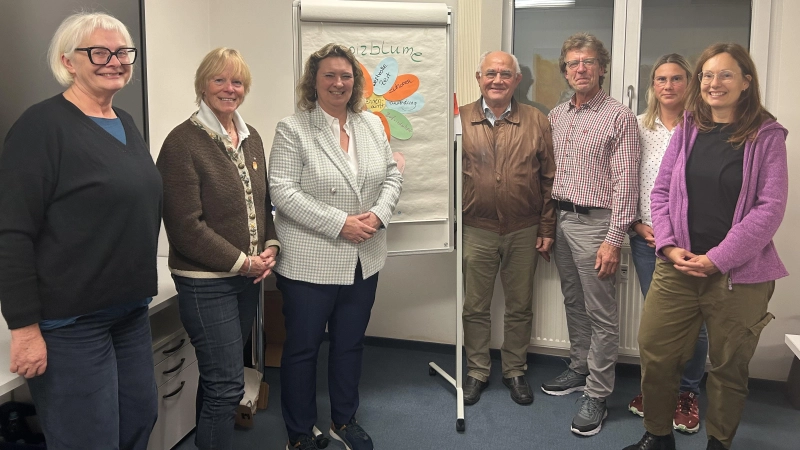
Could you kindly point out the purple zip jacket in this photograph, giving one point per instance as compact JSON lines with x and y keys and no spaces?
{"x":747,"y":254}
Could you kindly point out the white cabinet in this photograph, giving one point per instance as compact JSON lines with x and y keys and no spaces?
{"x":176,"y":377}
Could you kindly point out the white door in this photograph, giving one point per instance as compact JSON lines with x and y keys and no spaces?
{"x":636,"y":32}
{"x":687,"y":27}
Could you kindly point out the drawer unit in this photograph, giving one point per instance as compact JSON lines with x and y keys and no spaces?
{"x":176,"y":405}
{"x":175,"y":356}
{"x":177,"y":375}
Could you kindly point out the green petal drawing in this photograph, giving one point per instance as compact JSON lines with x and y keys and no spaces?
{"x":399,"y":126}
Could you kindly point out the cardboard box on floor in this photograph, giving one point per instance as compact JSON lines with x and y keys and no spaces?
{"x":274,"y":328}
{"x":256,"y":394}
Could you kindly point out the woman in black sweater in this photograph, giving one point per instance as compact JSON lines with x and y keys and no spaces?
{"x":80,"y":202}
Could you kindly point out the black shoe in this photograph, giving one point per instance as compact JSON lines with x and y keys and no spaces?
{"x":714,"y":444}
{"x":352,"y":436}
{"x":520,"y":390}
{"x":472,"y":390}
{"x":653,"y":442}
{"x":303,"y":443}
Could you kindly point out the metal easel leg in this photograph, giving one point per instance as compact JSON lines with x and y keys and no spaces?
{"x":434,"y":368}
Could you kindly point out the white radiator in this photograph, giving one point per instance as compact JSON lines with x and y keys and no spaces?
{"x":549,"y":319}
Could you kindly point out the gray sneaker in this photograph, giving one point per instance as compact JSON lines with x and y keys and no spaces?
{"x":565,"y":383}
{"x":590,"y":417}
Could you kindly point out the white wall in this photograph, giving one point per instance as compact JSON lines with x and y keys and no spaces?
{"x":416,"y":294}
{"x":181,"y":32}
{"x":773,"y":358}
{"x":175,"y":48}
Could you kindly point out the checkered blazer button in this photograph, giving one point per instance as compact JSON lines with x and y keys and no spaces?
{"x":333,"y":190}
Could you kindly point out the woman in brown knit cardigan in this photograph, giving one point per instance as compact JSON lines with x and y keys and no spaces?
{"x":222,"y":242}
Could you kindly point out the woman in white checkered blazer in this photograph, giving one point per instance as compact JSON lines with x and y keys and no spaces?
{"x":334,"y":185}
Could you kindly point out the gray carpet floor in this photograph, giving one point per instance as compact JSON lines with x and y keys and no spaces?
{"x":404,"y":408}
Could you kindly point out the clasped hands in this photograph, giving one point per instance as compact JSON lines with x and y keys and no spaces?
{"x":689,"y":263}
{"x":360,"y":227}
{"x":259,"y":266}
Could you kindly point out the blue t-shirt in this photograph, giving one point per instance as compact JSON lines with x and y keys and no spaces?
{"x":113,"y":126}
{"x":111,"y":312}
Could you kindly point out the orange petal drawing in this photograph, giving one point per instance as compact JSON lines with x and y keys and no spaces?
{"x":368,"y":87}
{"x":385,"y":125}
{"x":404,"y":86}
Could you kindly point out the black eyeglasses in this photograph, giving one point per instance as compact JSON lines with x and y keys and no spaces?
{"x":100,"y":56}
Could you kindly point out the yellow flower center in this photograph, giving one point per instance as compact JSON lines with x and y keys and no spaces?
{"x":376,"y":103}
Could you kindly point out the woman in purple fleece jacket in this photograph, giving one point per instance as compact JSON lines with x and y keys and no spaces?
{"x":718,"y":200}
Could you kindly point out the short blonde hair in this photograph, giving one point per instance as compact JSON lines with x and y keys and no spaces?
{"x":306,"y":86}
{"x":214,"y":63}
{"x":72,"y":31}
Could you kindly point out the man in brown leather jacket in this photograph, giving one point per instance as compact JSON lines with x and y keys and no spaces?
{"x":508,"y":170}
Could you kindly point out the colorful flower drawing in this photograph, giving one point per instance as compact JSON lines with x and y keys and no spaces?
{"x":391,"y":96}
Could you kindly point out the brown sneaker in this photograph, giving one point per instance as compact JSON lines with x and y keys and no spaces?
{"x":687,"y":414}
{"x":635,"y":406}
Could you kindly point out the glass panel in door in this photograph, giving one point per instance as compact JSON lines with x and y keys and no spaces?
{"x":540,"y":28}
{"x":687,"y":27}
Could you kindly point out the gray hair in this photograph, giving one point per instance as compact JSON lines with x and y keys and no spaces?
{"x":579,"y":41}
{"x":72,"y":31}
{"x":517,"y":70}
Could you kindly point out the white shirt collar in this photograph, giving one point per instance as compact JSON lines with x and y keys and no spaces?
{"x":329,"y":118}
{"x":207,"y":118}
{"x":490,"y":115}
{"x":333,"y":125}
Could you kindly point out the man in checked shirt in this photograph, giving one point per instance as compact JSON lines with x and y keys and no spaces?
{"x":596,"y":146}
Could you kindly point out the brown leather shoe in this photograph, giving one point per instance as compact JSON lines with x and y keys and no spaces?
{"x":520,"y":390}
{"x":472,"y":390}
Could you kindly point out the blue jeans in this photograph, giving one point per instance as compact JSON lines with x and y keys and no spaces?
{"x":99,"y":389}
{"x":644,"y":259}
{"x":218,"y":314}
{"x":308,"y":307}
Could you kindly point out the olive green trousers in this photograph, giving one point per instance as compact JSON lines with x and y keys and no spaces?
{"x":676,"y":306}
{"x":515,"y":256}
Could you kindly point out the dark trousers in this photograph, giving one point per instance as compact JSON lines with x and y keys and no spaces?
{"x":99,"y":389}
{"x":308,"y":307}
{"x":218,"y":314}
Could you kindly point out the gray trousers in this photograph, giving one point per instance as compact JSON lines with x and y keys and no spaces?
{"x":590,"y":303}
